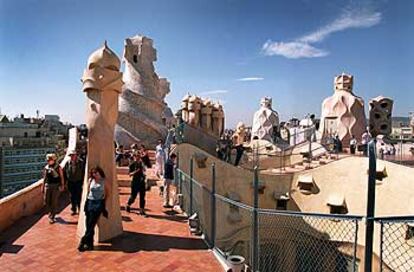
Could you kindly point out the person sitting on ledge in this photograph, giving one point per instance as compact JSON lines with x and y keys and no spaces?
{"x":53,"y":182}
{"x":94,"y":206}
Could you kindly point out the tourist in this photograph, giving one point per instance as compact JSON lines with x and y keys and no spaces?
{"x":53,"y":183}
{"x":145,"y":157}
{"x":382,"y":151}
{"x":136,"y":171}
{"x":393,"y":150}
{"x":352,"y":144}
{"x":134,"y":149}
{"x":119,"y":155}
{"x":337,"y":144}
{"x":170,"y":137}
{"x":74,"y":172}
{"x":227,"y":147}
{"x":94,"y":206}
{"x":238,"y":145}
{"x":159,"y":159}
{"x":169,"y":185}
{"x":366,"y":137}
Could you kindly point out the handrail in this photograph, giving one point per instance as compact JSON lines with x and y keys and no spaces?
{"x":398,"y":218}
{"x":322,"y":215}
{"x":235,"y":203}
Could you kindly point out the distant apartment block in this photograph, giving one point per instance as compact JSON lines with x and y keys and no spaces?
{"x":24,"y":143}
{"x":402,"y":129}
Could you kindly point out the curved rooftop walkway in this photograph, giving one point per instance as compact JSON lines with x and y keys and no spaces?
{"x":160,"y":242}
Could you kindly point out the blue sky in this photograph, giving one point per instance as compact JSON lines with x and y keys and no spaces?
{"x":236,"y":51}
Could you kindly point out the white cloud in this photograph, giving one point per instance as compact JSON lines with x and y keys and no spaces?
{"x":350,"y":19}
{"x":292,"y":50}
{"x":214,"y":92}
{"x":250,"y":79}
{"x":302,"y":47}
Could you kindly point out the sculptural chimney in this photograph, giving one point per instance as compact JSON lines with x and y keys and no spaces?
{"x":143,"y":112}
{"x":343,"y":113}
{"x":102,"y":82}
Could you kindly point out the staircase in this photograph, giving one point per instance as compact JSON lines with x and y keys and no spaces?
{"x":124,"y":179}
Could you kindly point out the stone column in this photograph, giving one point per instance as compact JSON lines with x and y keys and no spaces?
{"x":102,"y":84}
{"x":206,"y":111}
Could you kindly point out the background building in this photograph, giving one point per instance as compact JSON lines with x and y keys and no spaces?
{"x":402,"y":130}
{"x":24,"y":142}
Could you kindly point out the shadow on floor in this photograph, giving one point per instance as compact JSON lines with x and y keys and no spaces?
{"x":21,"y":226}
{"x":131,"y":242}
{"x":126,"y":219}
{"x":60,"y":220}
{"x":123,"y":193}
{"x":168,"y":217}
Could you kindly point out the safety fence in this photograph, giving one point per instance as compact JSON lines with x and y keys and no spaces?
{"x":280,"y":240}
{"x":396,"y":243}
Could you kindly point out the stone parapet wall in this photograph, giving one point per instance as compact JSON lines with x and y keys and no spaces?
{"x":20,"y":204}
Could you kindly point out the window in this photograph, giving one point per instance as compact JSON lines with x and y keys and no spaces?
{"x":281,"y":204}
{"x":282,"y":200}
{"x":337,"y":205}
{"x":306,"y":184}
{"x":135,"y":58}
{"x":337,"y":209}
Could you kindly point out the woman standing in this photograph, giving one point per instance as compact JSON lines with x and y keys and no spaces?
{"x":53,"y":182}
{"x":94,"y":206}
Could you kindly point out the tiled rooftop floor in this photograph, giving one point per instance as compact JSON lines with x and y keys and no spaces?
{"x":160,"y":242}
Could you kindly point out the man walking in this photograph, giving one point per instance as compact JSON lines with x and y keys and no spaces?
{"x":74,"y":172}
{"x":169,"y":186}
{"x":136,"y":171}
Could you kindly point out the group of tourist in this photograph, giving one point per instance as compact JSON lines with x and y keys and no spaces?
{"x":56,"y":179}
{"x":164,"y":170}
{"x":227,"y":142}
{"x":362,"y":146}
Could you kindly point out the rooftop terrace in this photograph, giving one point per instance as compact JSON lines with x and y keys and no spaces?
{"x":160,"y":242}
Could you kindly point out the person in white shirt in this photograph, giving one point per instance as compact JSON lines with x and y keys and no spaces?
{"x":352,"y":144}
{"x":366,"y":137}
{"x":159,"y":159}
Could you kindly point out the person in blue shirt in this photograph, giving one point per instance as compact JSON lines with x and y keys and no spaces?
{"x":94,"y":206}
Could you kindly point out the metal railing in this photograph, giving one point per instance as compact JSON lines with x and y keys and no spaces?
{"x":396,"y":243}
{"x":270,"y":240}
